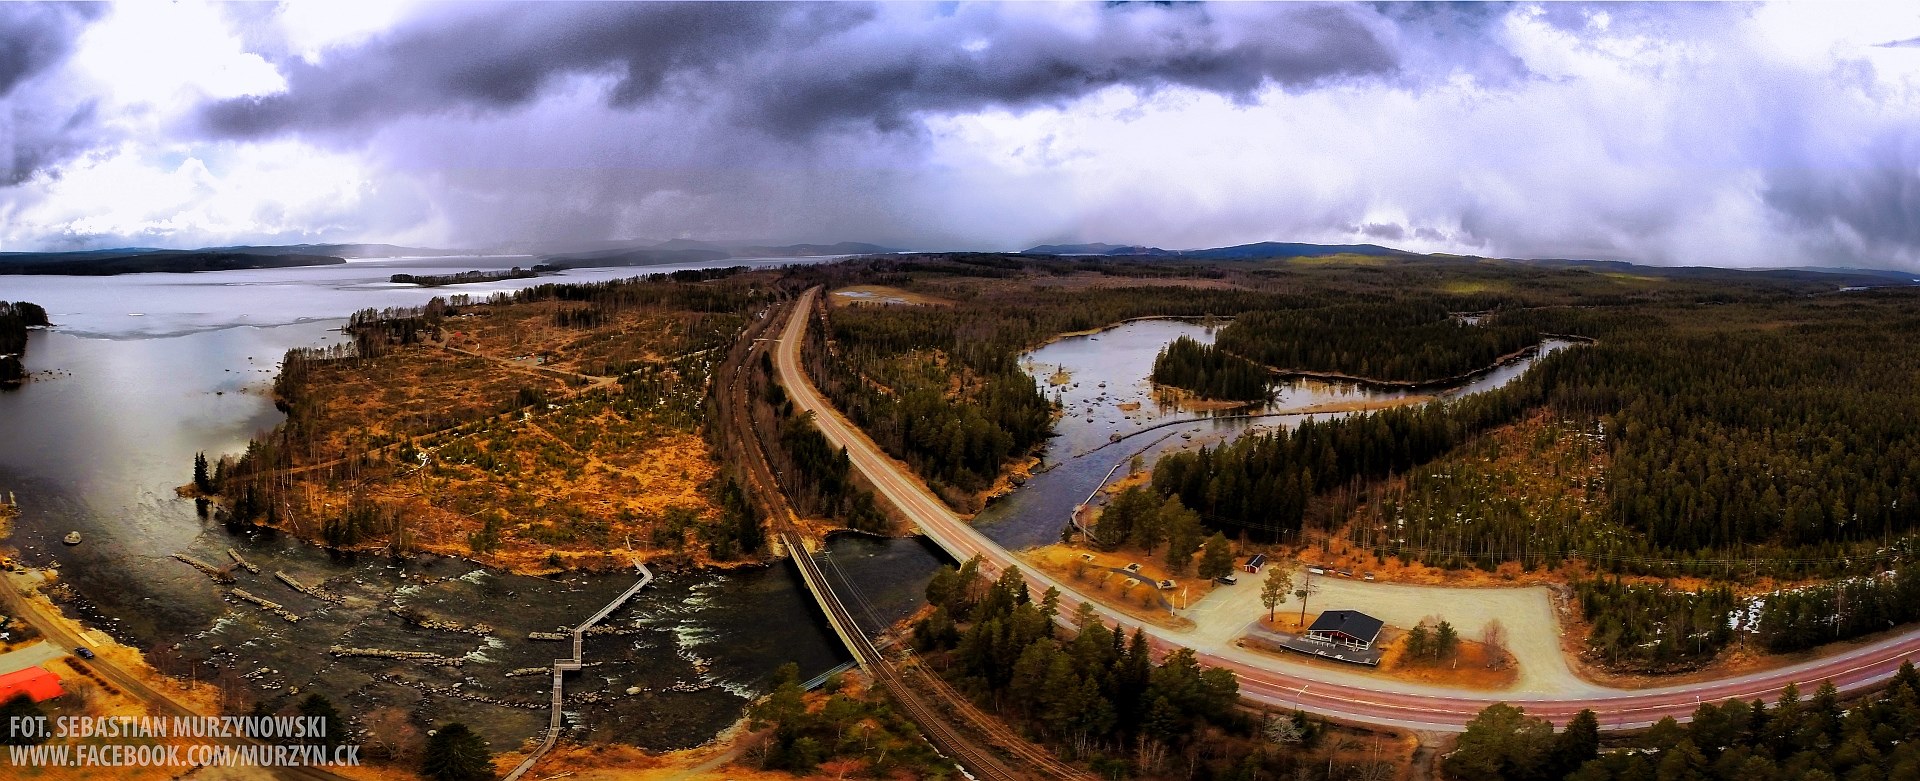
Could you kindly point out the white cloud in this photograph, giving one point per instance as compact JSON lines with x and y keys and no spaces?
{"x":1731,"y":135}
{"x":183,"y":195}
{"x":169,"y":56}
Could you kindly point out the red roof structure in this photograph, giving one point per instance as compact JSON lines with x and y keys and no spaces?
{"x":36,"y":682}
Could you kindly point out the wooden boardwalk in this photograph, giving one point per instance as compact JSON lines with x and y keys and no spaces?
{"x":563,"y":666}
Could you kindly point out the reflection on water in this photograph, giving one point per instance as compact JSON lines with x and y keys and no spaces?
{"x":100,"y":446}
{"x":146,"y":305}
{"x":1101,"y":382}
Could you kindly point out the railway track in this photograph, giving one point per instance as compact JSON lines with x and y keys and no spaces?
{"x":908,"y":684}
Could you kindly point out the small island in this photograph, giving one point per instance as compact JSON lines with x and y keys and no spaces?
{"x":471,"y":277}
{"x":1211,"y":373}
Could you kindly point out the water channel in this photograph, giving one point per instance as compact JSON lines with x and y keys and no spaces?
{"x":145,"y":370}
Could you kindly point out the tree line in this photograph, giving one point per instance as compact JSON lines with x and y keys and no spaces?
{"x":1782,"y":427}
{"x":839,"y":733}
{"x":1806,"y":617}
{"x":1097,"y":695}
{"x":1261,"y":484}
{"x":15,"y":318}
{"x":1799,"y":739}
{"x":1411,"y":338}
{"x":1211,"y":373}
{"x":1651,"y":628}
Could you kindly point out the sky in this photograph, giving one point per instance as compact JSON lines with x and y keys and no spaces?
{"x":1715,"y":134}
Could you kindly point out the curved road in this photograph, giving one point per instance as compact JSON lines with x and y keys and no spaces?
{"x":1327,"y":692}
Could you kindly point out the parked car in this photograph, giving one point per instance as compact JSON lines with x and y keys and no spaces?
{"x":1367,"y":576}
{"x":1346,"y":573}
{"x":83,"y":652}
{"x":1226,"y":580}
{"x":1314,"y":569}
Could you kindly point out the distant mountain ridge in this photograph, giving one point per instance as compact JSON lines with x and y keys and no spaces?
{"x":135,"y":261}
{"x":592,"y":254}
{"x":1257,"y":251}
{"x":695,"y":251}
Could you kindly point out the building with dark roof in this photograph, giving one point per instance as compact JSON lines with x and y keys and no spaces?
{"x":1346,"y":627}
{"x":1254,"y":563}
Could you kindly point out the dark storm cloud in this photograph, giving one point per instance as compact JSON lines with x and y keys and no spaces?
{"x":501,"y":56}
{"x":1873,"y":199}
{"x":36,"y":133}
{"x":794,"y":69}
{"x":34,"y":37}
{"x":977,"y":61}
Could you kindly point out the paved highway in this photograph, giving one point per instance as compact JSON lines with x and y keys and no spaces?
{"x":1327,"y":692}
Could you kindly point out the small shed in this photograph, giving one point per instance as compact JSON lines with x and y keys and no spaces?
{"x":1254,"y":563}
{"x":1346,"y":627}
{"x":36,"y":682}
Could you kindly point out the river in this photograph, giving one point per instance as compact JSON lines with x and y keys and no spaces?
{"x":145,"y":370}
{"x":1107,"y":372}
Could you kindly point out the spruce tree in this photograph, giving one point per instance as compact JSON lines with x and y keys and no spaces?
{"x":455,"y":753}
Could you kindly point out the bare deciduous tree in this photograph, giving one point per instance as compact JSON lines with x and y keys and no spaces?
{"x":1494,"y":637}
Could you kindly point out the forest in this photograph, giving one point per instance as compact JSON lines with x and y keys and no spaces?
{"x":1749,"y":435}
{"x":938,"y":386}
{"x":845,"y":730}
{"x":1715,"y":452}
{"x":15,"y":318}
{"x":1260,"y":484}
{"x":1816,"y":738}
{"x":1794,"y":619}
{"x":1414,"y":339}
{"x":1650,"y":628}
{"x":1096,"y":696}
{"x":1210,"y":372}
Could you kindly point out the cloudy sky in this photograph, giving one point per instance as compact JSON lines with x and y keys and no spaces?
{"x":1742,"y":135}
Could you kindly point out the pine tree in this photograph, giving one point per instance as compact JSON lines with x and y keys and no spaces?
{"x":1419,"y":642}
{"x":1274,"y":590}
{"x":455,"y":753}
{"x":1446,"y":641}
{"x":1183,"y":533}
{"x":1575,"y":745}
{"x":201,"y":480}
{"x":1216,"y":557}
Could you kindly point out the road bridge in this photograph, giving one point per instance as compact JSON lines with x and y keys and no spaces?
{"x":1281,"y":683}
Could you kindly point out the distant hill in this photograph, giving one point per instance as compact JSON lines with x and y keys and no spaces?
{"x":1284,"y":249}
{"x":1096,"y":249}
{"x":1260,"y":251}
{"x":135,"y":261}
{"x":680,"y":244}
{"x":694,"y":251}
{"x":634,"y":257}
{"x":1856,"y":277}
{"x":810,"y":250}
{"x":342,"y":250}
